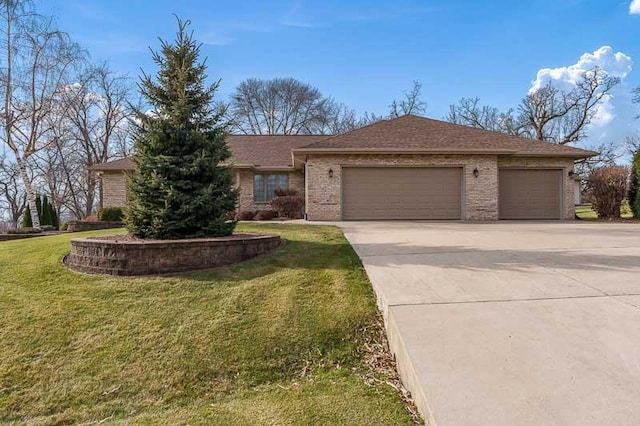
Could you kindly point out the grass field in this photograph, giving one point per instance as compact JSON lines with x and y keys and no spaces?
{"x":267,"y":342}
{"x":586,"y":212}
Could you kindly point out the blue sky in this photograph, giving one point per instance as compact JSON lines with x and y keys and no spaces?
{"x":366,"y":53}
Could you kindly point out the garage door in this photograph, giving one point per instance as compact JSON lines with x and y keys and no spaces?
{"x":530,"y":194}
{"x":401,"y":193}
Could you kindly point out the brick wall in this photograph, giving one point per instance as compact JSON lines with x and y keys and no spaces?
{"x":323,"y":193}
{"x":566,"y":164}
{"x":114,"y":187}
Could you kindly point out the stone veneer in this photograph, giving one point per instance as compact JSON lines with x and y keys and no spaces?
{"x":480,"y":197}
{"x":244,"y":181}
{"x":148,"y":257}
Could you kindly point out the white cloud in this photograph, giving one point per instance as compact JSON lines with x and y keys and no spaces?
{"x":615,"y":116}
{"x":634,"y":7}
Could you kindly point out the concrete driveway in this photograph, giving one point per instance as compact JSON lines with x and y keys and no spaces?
{"x":511,"y":323}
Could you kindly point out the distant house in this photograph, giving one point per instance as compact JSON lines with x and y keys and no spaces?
{"x":404,"y":168}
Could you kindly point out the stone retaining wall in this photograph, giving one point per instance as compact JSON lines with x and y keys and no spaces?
{"x":99,"y":256}
{"x":83,"y":225}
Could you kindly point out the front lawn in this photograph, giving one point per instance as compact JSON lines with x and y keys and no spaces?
{"x":270,"y":341}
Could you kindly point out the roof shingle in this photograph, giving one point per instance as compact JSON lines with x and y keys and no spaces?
{"x":415,"y":133}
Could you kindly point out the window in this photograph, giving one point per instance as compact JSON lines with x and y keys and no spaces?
{"x":264,"y":186}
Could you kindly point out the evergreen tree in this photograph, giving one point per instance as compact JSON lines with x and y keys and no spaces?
{"x":45,"y":216}
{"x":26,"y":219}
{"x":54,"y":217}
{"x":182,"y":186}
{"x":39,"y":207}
{"x":634,"y":188}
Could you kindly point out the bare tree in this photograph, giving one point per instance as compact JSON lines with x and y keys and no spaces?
{"x":411,"y":102}
{"x":92,"y":117}
{"x":281,"y":106}
{"x":37,"y":59}
{"x":561,"y":117}
{"x":632,"y":144}
{"x":469,"y":112}
{"x":12,"y":195}
{"x":636,"y":97}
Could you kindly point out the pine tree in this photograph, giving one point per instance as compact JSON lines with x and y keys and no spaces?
{"x":181,"y":187}
{"x":45,"y":215}
{"x":39,"y":207}
{"x":54,"y":217}
{"x":26,"y":219}
{"x":634,"y":187}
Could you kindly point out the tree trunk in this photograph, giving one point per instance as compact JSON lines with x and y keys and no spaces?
{"x":31,"y":196}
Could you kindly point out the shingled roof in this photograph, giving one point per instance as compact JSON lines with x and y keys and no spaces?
{"x":247,"y":151}
{"x":406,"y":134}
{"x":411,"y":133}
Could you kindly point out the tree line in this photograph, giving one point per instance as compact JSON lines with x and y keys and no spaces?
{"x":61,"y":113}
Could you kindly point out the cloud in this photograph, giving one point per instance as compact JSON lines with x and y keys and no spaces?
{"x":615,"y":117}
{"x":214,"y":38}
{"x":634,"y":7}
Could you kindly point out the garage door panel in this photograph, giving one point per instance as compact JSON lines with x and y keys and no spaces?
{"x":530,"y":194}
{"x":401,"y":193}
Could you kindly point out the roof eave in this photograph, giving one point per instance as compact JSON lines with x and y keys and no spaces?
{"x":307,"y":151}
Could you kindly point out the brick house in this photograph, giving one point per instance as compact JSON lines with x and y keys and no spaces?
{"x":404,"y":168}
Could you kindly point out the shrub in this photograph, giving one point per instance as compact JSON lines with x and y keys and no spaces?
{"x":246,"y":215}
{"x":110,"y":214}
{"x":284,"y":192}
{"x":22,"y":231}
{"x":48,"y":228}
{"x":92,"y":218}
{"x":289,"y":206}
{"x":65,"y":226}
{"x":265,"y":215}
{"x":634,"y":186}
{"x":608,"y":186}
{"x":232,"y":216}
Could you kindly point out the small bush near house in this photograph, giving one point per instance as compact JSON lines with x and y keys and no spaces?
{"x":48,"y":228}
{"x":92,"y":218}
{"x":289,"y":206}
{"x":608,"y":186}
{"x":22,"y":231}
{"x":246,"y":215}
{"x":110,"y":214}
{"x":634,"y":186}
{"x":232,"y":215}
{"x":284,"y":192}
{"x":266,"y":215}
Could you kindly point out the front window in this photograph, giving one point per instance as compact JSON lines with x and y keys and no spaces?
{"x":264,"y":186}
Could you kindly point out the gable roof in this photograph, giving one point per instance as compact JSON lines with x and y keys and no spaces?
{"x":411,"y":133}
{"x":246,"y":150}
{"x":406,"y":134}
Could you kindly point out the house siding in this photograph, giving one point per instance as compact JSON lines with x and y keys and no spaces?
{"x":114,"y":189}
{"x":566,"y":164}
{"x":324,"y":193}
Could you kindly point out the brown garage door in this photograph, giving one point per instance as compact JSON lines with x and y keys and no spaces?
{"x":401,"y":193}
{"x":530,"y":194}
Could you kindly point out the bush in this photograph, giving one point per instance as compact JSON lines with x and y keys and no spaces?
{"x":284,"y":192}
{"x":110,"y":214}
{"x":246,"y":215}
{"x":48,"y":228}
{"x":92,"y":218}
{"x":265,"y":215}
{"x":232,"y":215}
{"x":65,"y":226}
{"x":22,"y":231}
{"x":634,"y":186}
{"x":289,"y":206}
{"x":608,"y":186}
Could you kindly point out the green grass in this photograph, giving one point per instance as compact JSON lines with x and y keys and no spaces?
{"x":268,"y":342}
{"x":586,"y":212}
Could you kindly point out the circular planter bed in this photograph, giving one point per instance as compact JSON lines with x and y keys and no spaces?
{"x":123,"y":255}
